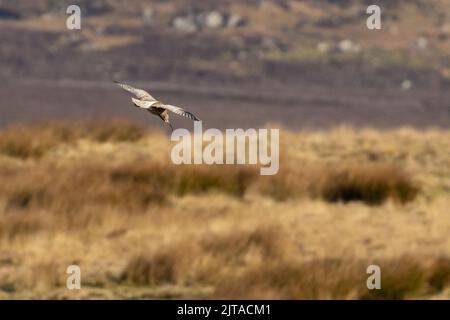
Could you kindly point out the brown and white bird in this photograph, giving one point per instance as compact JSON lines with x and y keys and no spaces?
{"x":146,"y":101}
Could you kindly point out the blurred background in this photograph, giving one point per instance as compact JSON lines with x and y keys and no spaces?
{"x":365,"y":142}
{"x":299,"y":63}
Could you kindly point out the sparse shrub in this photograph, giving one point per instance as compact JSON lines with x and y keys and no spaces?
{"x":288,"y":279}
{"x":130,"y":186}
{"x":33,"y":141}
{"x":151,"y":270}
{"x":25,"y":142}
{"x":372,"y":184}
{"x":440,"y":274}
{"x":234,"y":181}
{"x":401,"y":278}
{"x":334,"y":279}
{"x":7,"y":287}
{"x":69,"y":189}
{"x":110,"y":130}
{"x":185,"y":180}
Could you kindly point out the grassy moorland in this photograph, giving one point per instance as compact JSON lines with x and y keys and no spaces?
{"x":105,"y":196}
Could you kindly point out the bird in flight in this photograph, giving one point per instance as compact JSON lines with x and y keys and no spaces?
{"x":146,"y":101}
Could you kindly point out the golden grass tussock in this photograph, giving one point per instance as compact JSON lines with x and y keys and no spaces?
{"x":151,"y":270}
{"x":138,"y":185}
{"x":405,"y":278}
{"x":372,"y":184}
{"x":343,"y":182}
{"x":32,"y":141}
{"x":104,"y":195}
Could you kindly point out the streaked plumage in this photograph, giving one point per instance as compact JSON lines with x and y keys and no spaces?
{"x":146,"y":101}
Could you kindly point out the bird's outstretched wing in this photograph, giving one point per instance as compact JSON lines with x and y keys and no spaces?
{"x":179,"y":111}
{"x":139,"y":93}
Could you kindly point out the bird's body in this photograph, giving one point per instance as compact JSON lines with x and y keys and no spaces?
{"x":146,"y":101}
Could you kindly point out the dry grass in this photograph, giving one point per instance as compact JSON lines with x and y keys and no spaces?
{"x":370,"y":183}
{"x":32,"y":141}
{"x":105,"y":196}
{"x":405,"y":277}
